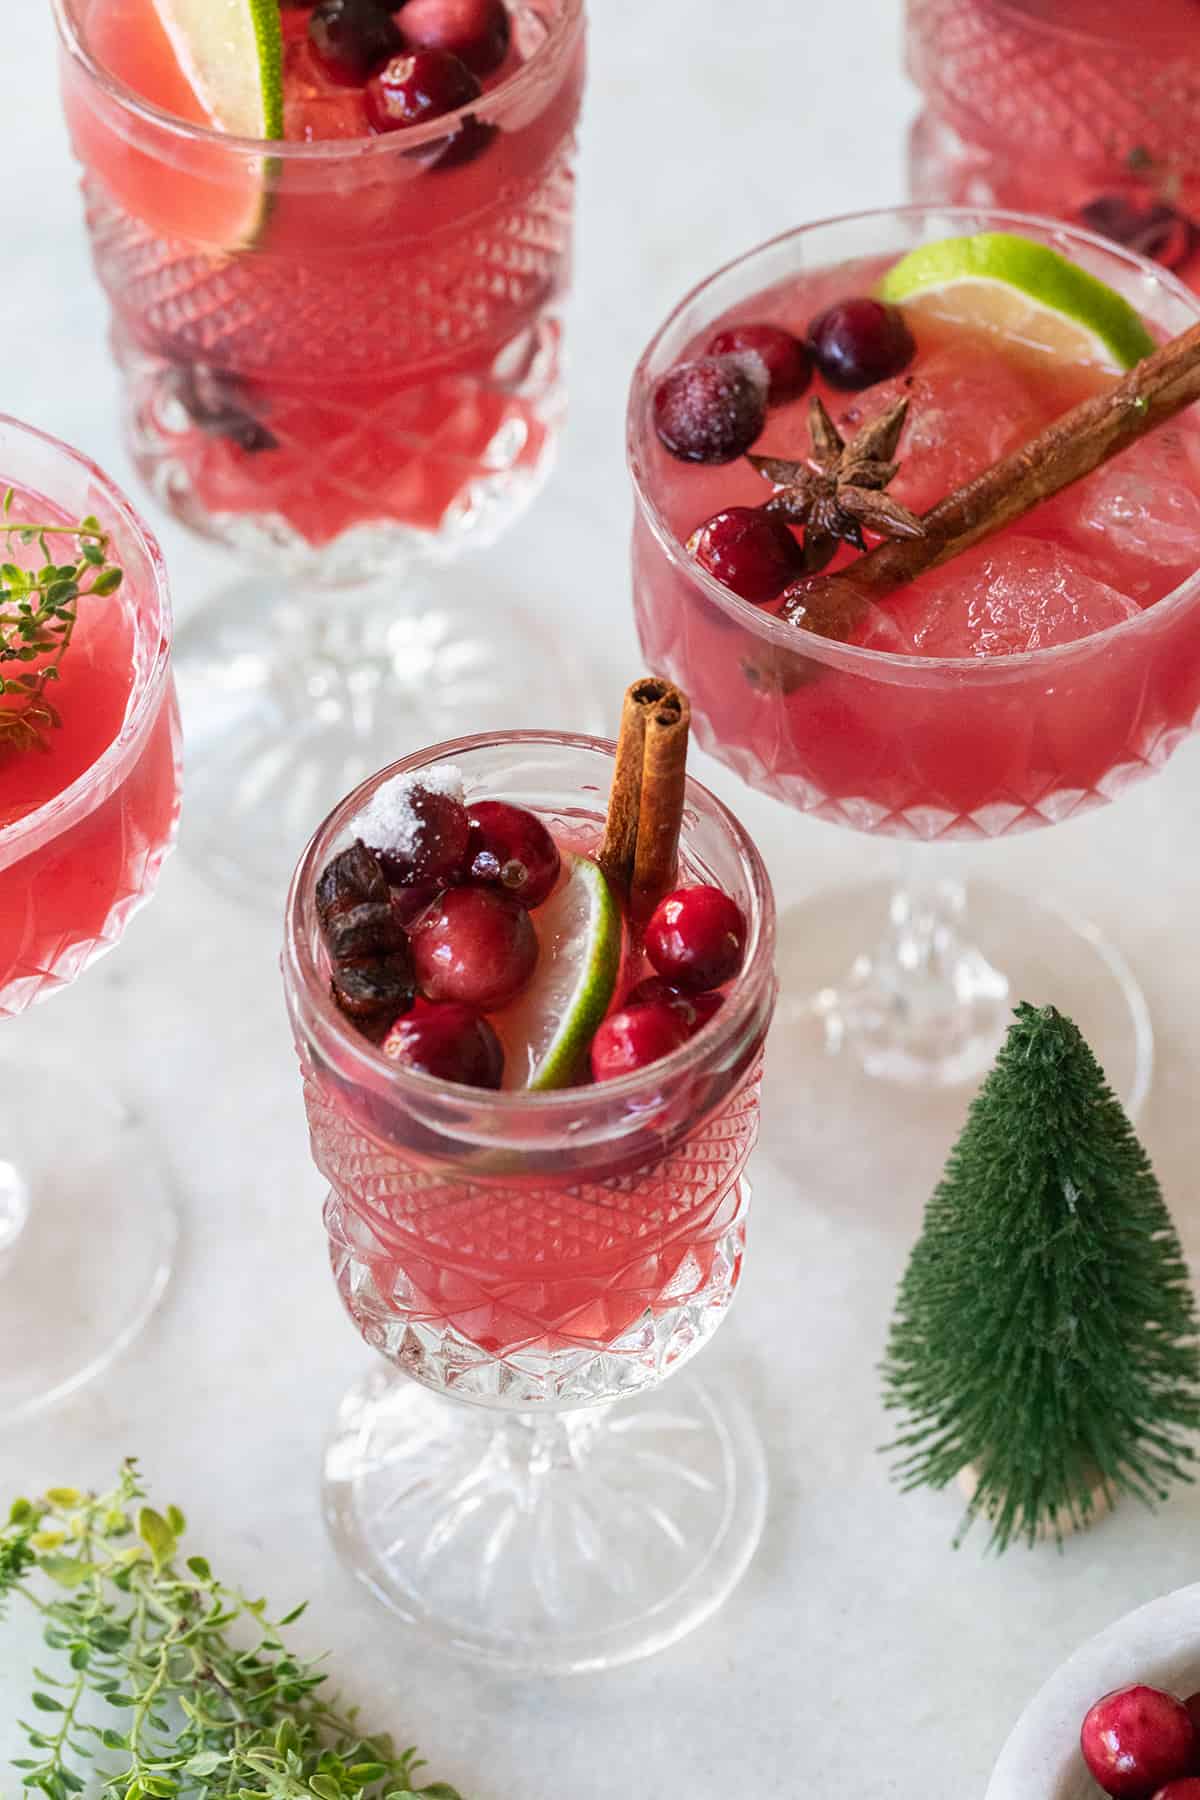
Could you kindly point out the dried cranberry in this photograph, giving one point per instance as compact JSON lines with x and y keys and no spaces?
{"x":412,"y":90}
{"x":789,"y":367}
{"x":349,"y":879}
{"x":711,"y":410}
{"x":750,"y":552}
{"x":451,"y":1041}
{"x":478,"y":32}
{"x":352,"y":38}
{"x":372,"y":988}
{"x":858,"y":342}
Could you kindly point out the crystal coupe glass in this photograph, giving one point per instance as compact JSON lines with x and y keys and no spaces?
{"x":87,"y":1229}
{"x":912,"y":984}
{"x":531,"y":1267}
{"x":343,"y":358}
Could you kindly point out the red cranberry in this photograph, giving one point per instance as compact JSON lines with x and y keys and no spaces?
{"x":1137,"y":1738}
{"x":351,"y":38}
{"x":465,"y":143}
{"x":475,"y":945}
{"x":420,"y":834}
{"x":448,"y":1040}
{"x":511,"y":848}
{"x":858,"y":342}
{"x":476,"y":31}
{"x":408,"y":903}
{"x":789,"y":368}
{"x":1193,"y":1707}
{"x":635,"y":1037}
{"x":1157,"y":230}
{"x":411,"y":90}
{"x":751,"y":552}
{"x":1187,"y":1789}
{"x":711,"y":410}
{"x":696,"y":938}
{"x":694,"y":1009}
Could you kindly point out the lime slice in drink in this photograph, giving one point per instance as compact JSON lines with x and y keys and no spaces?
{"x":230,"y":52}
{"x":1021,"y":290}
{"x":547,"y":1031}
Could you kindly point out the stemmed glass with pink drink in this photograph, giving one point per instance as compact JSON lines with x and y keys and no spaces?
{"x":1032,"y":677}
{"x":89,"y":798}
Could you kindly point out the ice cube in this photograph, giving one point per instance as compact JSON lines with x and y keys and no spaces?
{"x":1008,"y":596}
{"x":1143,"y":507}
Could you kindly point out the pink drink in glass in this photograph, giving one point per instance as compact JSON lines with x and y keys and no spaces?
{"x":1085,"y":110}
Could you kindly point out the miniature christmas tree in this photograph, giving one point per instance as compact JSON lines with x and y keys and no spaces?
{"x":1045,"y":1332}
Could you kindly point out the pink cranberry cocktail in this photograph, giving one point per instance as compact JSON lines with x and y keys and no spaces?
{"x":538,"y":1252}
{"x":89,"y":798}
{"x":1085,"y":110}
{"x":1033,"y":677}
{"x":341,"y":352}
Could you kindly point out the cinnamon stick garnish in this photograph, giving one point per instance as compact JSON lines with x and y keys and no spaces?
{"x":640,"y":848}
{"x":1153,"y":391}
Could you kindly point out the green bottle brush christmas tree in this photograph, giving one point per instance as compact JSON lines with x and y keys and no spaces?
{"x":1045,"y":1335}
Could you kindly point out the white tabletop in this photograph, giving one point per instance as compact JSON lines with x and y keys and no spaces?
{"x":860,"y":1656}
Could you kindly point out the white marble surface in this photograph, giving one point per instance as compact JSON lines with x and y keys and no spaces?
{"x":861,"y":1656}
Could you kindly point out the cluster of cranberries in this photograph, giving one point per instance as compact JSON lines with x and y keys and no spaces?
{"x":714,"y":407}
{"x":1143,"y":1744}
{"x":1153,"y":228}
{"x":416,"y":60}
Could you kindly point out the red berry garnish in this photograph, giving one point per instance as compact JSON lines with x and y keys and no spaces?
{"x":789,"y":367}
{"x":694,"y":1009}
{"x":352,"y":38}
{"x":448,"y":1040}
{"x":635,"y":1037}
{"x":711,"y":410}
{"x":417,"y":825}
{"x":858,"y":342}
{"x":478,"y":32}
{"x":475,"y":945}
{"x":511,"y":849}
{"x":1136,"y":1739}
{"x":1193,"y":1707}
{"x":750,"y":552}
{"x":411,"y":90}
{"x":1155,"y":230}
{"x":1187,"y":1789}
{"x":696,"y":938}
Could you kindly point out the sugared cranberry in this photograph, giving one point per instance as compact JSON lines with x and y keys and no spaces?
{"x":511,"y":849}
{"x":352,"y":38}
{"x":1136,"y":1739}
{"x":411,"y":90}
{"x":448,"y":1040}
{"x":789,"y":367}
{"x":1187,"y":1789}
{"x":750,"y":552}
{"x":478,"y":32}
{"x":694,"y":1009}
{"x":696,"y":938}
{"x":475,"y":945}
{"x":858,"y":342}
{"x":419,"y":833}
{"x":635,"y":1037}
{"x":1155,"y":230}
{"x":711,"y":410}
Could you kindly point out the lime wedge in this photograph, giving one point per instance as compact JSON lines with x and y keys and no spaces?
{"x":231,"y":54}
{"x":1021,"y":290}
{"x":547,"y":1031}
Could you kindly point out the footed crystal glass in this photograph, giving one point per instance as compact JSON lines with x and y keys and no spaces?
{"x":343,"y":359}
{"x":531,"y":1267}
{"x":912,"y":984}
{"x":87,"y":1227}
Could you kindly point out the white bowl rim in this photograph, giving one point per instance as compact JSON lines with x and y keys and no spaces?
{"x":1042,"y":1752}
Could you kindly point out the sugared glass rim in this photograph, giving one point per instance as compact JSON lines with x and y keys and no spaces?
{"x":859,"y":658}
{"x":70,"y":34}
{"x":362,"y":1058}
{"x":64,"y":809}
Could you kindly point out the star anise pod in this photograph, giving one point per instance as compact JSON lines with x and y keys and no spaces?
{"x":839,"y":489}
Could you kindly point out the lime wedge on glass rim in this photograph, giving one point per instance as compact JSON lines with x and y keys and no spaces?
{"x":552,"y":1023}
{"x":1022,"y":290}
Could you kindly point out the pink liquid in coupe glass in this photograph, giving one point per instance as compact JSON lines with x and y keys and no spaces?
{"x":1002,"y":741}
{"x":71,"y":871}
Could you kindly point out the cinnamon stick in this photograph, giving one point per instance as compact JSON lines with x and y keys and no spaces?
{"x":645,"y":809}
{"x":1153,"y":391}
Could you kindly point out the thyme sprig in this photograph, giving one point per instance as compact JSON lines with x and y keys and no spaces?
{"x":168,"y":1684}
{"x":38,"y":610}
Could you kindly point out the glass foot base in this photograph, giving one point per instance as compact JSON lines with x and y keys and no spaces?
{"x":549,"y":1542}
{"x":870,"y":1000}
{"x":87,"y":1235}
{"x":291,"y":698}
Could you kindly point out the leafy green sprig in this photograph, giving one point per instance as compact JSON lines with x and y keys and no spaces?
{"x":38,"y":611}
{"x":168,"y":1683}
